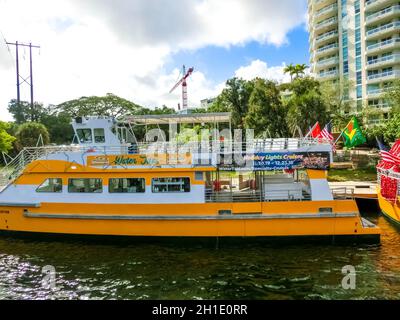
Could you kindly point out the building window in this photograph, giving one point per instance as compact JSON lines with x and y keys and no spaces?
{"x":346,"y":67}
{"x":51,"y":185}
{"x":358,"y":49}
{"x":85,"y":185}
{"x":160,"y":185}
{"x":359,"y":92}
{"x":358,"y":64}
{"x":99,"y":136}
{"x":84,"y":135}
{"x":359,"y":77}
{"x":127,"y":185}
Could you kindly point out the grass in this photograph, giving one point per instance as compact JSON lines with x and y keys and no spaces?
{"x":361,"y":174}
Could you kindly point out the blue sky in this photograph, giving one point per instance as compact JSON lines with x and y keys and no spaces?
{"x":136,"y":48}
{"x":219,"y":63}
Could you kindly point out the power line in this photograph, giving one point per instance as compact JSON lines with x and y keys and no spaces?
{"x":30,"y":83}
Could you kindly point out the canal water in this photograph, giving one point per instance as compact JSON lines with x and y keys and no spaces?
{"x":140,"y":270}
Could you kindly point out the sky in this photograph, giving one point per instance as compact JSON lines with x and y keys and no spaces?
{"x":136,"y":48}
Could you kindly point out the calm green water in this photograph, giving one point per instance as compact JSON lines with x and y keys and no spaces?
{"x":192,"y":271}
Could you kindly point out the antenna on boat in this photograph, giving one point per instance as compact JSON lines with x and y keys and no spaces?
{"x":40,"y":141}
{"x":5,"y":156}
{"x":298,"y":131}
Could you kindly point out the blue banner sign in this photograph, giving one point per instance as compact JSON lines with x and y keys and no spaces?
{"x":291,"y":160}
{"x":269,"y":161}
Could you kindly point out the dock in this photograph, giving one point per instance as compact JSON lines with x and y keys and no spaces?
{"x":360,"y":190}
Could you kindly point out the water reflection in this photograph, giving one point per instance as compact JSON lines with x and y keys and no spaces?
{"x":173,"y":271}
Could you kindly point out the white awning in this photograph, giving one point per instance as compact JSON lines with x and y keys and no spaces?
{"x":220,"y":117}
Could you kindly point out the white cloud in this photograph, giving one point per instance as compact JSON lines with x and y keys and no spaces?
{"x":260,"y":69}
{"x":93,"y":47}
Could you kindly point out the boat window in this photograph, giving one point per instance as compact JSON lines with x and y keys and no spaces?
{"x":127,"y":185}
{"x":84,"y":135}
{"x":170,"y":185}
{"x":99,"y":135}
{"x":87,"y":185}
{"x":198,"y":176}
{"x":51,"y":185}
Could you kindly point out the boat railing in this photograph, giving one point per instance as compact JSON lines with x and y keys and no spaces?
{"x":255,"y":196}
{"x":198,"y":149}
{"x":388,"y":173}
{"x":343,"y":193}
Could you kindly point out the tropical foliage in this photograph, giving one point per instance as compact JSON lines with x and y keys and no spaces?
{"x":266,"y":114}
{"x":29,"y":133}
{"x":6,"y":140}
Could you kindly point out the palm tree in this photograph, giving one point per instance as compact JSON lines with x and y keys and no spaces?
{"x":299,"y":69}
{"x":291,"y":70}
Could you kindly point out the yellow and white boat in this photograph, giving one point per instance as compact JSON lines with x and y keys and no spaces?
{"x":110,"y":184}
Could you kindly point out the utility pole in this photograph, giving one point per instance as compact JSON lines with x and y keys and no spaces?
{"x":30,"y":83}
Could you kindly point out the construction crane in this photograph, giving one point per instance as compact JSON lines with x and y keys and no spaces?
{"x":184,"y":86}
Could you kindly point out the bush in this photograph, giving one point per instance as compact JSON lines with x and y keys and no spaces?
{"x":29,"y":133}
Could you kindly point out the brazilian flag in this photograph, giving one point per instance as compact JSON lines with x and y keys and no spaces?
{"x":352,"y":134}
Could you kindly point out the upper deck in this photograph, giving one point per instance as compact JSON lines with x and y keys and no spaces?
{"x":108,"y":143}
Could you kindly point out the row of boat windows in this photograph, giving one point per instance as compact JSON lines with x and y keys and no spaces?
{"x":116,"y":185}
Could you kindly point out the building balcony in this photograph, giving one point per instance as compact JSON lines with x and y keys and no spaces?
{"x":380,"y":16}
{"x":328,"y":75}
{"x":326,"y":12}
{"x":325,"y":24}
{"x":326,"y":37}
{"x":326,"y":50}
{"x":383,"y":76}
{"x":384,"y":30}
{"x":373,"y":5}
{"x":326,"y":63}
{"x":319,"y":4}
{"x":376,"y":121}
{"x":383,"y":61}
{"x":383,"y":46}
{"x":384,"y":106}
{"x":376,"y":93}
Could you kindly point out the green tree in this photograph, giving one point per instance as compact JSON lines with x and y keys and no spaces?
{"x":235,"y":99}
{"x":392,"y":95}
{"x":338,"y":104}
{"x":59,"y":127}
{"x":24,"y":112}
{"x":6,"y":139}
{"x":299,"y":70}
{"x":306,"y":105}
{"x":109,"y":105}
{"x":28,"y":134}
{"x":291,"y":69}
{"x":392,"y":128}
{"x":266,"y":112}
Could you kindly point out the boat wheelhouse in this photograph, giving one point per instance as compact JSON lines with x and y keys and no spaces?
{"x":202,"y":184}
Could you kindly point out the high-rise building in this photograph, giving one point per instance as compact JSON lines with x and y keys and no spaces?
{"x":358,"y":40}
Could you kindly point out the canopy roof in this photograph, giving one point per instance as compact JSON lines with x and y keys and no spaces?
{"x":220,"y":117}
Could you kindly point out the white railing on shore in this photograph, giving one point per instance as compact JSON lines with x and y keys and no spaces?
{"x":342,"y":193}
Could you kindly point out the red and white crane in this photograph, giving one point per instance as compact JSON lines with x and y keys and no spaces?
{"x":184,"y":86}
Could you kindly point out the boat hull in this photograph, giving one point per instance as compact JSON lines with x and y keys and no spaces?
{"x":269,"y":219}
{"x":389,"y":209}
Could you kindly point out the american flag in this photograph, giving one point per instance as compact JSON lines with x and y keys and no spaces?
{"x":389,"y":156}
{"x":327,"y":135}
